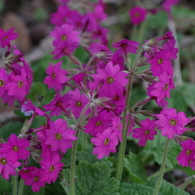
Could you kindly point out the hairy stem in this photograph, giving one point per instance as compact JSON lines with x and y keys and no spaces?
{"x":185,"y":184}
{"x":160,"y":178}
{"x":14,"y":183}
{"x":21,"y":187}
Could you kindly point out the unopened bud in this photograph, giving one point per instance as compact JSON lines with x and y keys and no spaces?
{"x":143,"y":102}
{"x":148,"y":79}
{"x":147,"y":112}
{"x":180,"y":138}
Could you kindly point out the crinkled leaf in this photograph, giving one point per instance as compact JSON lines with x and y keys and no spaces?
{"x":93,"y":179}
{"x":136,"y":189}
{"x":135,"y":168}
{"x":50,"y":93}
{"x":166,"y":187}
{"x":156,"y":147}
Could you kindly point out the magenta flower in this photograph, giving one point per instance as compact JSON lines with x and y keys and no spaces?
{"x":58,"y":105}
{"x":145,"y":132}
{"x":171,"y":123}
{"x":57,"y":76}
{"x":162,"y":89}
{"x":137,"y":15}
{"x":3,"y":81}
{"x":126,"y":46}
{"x":26,"y":172}
{"x":161,"y":63}
{"x":7,"y":36}
{"x":63,"y":33}
{"x":7,"y":168}
{"x":17,"y":85}
{"x":52,"y":168}
{"x":99,"y":123}
{"x":36,"y":180}
{"x":59,"y":137}
{"x":113,"y":77}
{"x":77,"y":103}
{"x":105,"y":143}
{"x":187,"y":154}
{"x":15,"y":148}
{"x":167,"y":4}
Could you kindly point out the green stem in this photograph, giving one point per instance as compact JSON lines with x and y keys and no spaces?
{"x":122,"y":146}
{"x":158,"y":173}
{"x":14,"y":182}
{"x":74,"y":150}
{"x":21,"y":187}
{"x":185,"y":184}
{"x":158,"y":184}
{"x":72,"y":166}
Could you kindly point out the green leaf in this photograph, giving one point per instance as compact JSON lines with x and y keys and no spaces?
{"x":9,"y":128}
{"x":166,"y":187}
{"x":156,"y":147}
{"x":6,"y":187}
{"x":135,"y":168}
{"x":94,"y":179}
{"x":49,"y":95}
{"x":136,"y":189}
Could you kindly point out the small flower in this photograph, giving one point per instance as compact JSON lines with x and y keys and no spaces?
{"x":146,"y":132}
{"x":171,"y":123}
{"x":52,"y":168}
{"x":187,"y":154}
{"x":137,"y":15}
{"x":15,"y":148}
{"x":6,"y":37}
{"x":7,"y":168}
{"x":57,"y":76}
{"x":105,"y":143}
{"x":36,"y":180}
{"x":59,"y":137}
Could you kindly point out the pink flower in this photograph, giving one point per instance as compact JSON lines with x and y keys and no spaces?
{"x":7,"y":36}
{"x":113,"y":77}
{"x":77,"y":103}
{"x":126,"y":46}
{"x":36,"y":180}
{"x":99,"y":123}
{"x":26,"y":172}
{"x":187,"y":154}
{"x":167,"y":4}
{"x":17,"y":85}
{"x":171,"y":123}
{"x":7,"y":168}
{"x":52,"y":168}
{"x":15,"y":148}
{"x":105,"y":143}
{"x":146,"y":132}
{"x":57,"y":76}
{"x":162,"y":89}
{"x":58,"y":105}
{"x":64,"y":33}
{"x":3,"y":81}
{"x":59,"y":137}
{"x":161,"y":63}
{"x":137,"y":15}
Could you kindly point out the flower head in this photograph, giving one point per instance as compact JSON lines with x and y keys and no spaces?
{"x":137,"y":15}
{"x":171,"y":123}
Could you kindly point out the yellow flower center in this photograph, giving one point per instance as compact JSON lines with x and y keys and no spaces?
{"x":78,"y":104}
{"x":3,"y":161}
{"x":173,"y":122}
{"x":36,"y":179}
{"x":63,"y":37}
{"x":106,"y":141}
{"x":160,"y":61}
{"x":53,"y":75}
{"x":188,"y":152}
{"x":15,"y":148}
{"x":110,"y":80}
{"x":20,"y":84}
{"x":51,"y":168}
{"x":98,"y":123}
{"x":1,"y":83}
{"x":166,"y":86}
{"x":147,"y":132}
{"x":58,"y":136}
